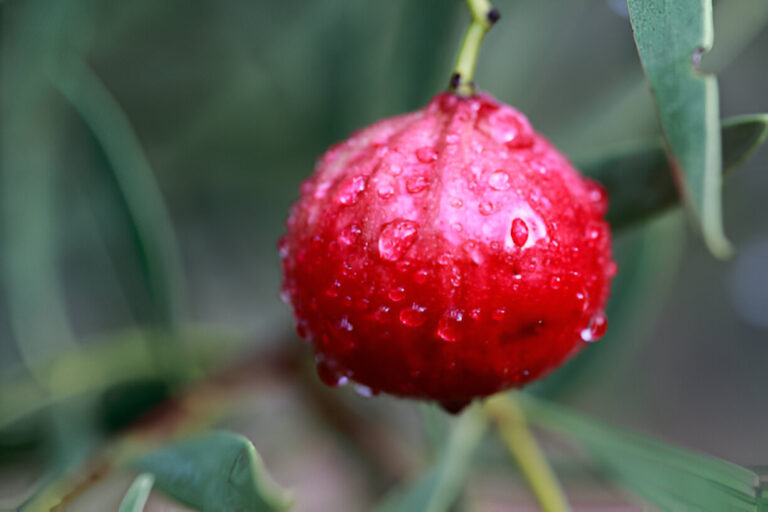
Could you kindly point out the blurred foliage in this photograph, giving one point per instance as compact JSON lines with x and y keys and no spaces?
{"x":150,"y":151}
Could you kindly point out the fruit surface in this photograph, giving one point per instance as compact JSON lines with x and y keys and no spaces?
{"x":447,"y":254}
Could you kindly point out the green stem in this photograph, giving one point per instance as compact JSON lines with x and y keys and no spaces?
{"x":484,"y":15}
{"x":504,"y":410}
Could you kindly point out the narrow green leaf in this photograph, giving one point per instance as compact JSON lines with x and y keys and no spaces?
{"x":439,"y":487}
{"x":639,"y":180}
{"x":670,"y":38}
{"x":217,"y":471}
{"x":669,"y":477}
{"x":156,"y":239}
{"x":138,"y":493}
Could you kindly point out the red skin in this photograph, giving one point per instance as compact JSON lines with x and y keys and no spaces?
{"x":447,"y":254}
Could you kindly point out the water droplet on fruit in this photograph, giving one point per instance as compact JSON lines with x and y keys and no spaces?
{"x":426,"y":154}
{"x":395,"y":169}
{"x":449,"y":325}
{"x":285,"y":297}
{"x":499,"y":314}
{"x":396,"y":294}
{"x":611,"y":269}
{"x":485,"y":207}
{"x":329,"y":376}
{"x":396,"y":238}
{"x":554,"y":282}
{"x":421,"y":276}
{"x":350,"y":191}
{"x":349,"y":235}
{"x":382,"y":315}
{"x":457,"y":226}
{"x":519,"y":232}
{"x":444,"y":259}
{"x":596,"y":328}
{"x":385,"y":190}
{"x":413,"y":316}
{"x":456,"y":202}
{"x":282,"y":247}
{"x":416,"y":184}
{"x":365,"y":391}
{"x":499,"y":180}
{"x":475,"y":314}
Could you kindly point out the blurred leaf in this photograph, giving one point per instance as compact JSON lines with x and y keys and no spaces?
{"x":670,"y":38}
{"x":155,"y":237}
{"x":436,"y":490}
{"x":639,"y":181}
{"x":218,"y":471}
{"x":668,"y":477}
{"x":137,"y":494}
{"x":125,"y":357}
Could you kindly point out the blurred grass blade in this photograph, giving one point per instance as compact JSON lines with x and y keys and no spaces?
{"x":127,"y":357}
{"x":669,"y":477}
{"x":134,"y":175}
{"x":670,"y":38}
{"x":436,"y":490}
{"x":138,"y":494}
{"x":217,"y":471}
{"x":639,"y":180}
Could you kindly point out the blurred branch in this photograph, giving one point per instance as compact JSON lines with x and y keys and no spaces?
{"x":156,"y":239}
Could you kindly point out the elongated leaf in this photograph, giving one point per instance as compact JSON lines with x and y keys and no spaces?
{"x":639,"y":179}
{"x":138,"y":493}
{"x":669,"y":477}
{"x":439,"y":487}
{"x":217,"y":471}
{"x":670,"y":38}
{"x":155,"y":237}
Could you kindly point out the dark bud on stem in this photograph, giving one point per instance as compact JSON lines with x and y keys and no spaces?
{"x":493,"y":16}
{"x":455,"y":81}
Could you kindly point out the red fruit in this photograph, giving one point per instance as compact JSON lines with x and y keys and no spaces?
{"x":447,"y":254}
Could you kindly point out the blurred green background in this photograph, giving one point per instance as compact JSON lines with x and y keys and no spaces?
{"x":150,"y":152}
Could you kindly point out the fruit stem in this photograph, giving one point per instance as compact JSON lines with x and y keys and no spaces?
{"x":504,"y":410}
{"x":484,"y":15}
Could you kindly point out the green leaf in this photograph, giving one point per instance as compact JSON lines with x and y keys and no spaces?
{"x":439,"y":487}
{"x":668,"y":477}
{"x":155,"y":237}
{"x":670,"y":38}
{"x":217,"y":471}
{"x":138,"y":493}
{"x":639,"y":180}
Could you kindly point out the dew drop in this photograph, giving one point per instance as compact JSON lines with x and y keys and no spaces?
{"x":365,"y":391}
{"x":499,"y":180}
{"x":413,"y":316}
{"x":499,"y":314}
{"x":329,"y":376}
{"x":426,"y":154}
{"x":555,"y":282}
{"x":382,"y":315}
{"x":457,"y":226}
{"x":396,"y":238}
{"x":519,"y":232}
{"x":475,"y":314}
{"x":349,"y":235}
{"x":421,"y":276}
{"x":485,"y":207}
{"x":350,"y":191}
{"x":444,"y":259}
{"x":396,"y":294}
{"x":449,"y":325}
{"x":596,"y":328}
{"x":385,"y":191}
{"x":416,"y":184}
{"x":456,"y":202}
